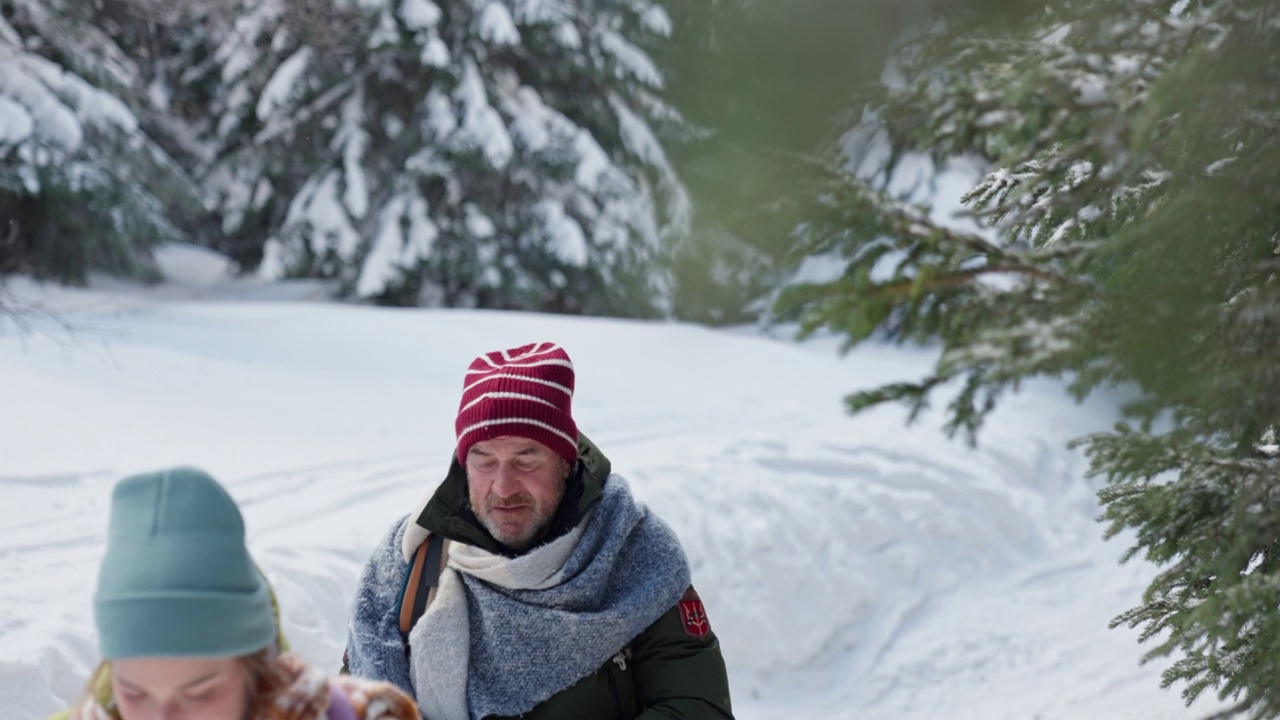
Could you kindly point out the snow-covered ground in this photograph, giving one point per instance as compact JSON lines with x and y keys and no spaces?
{"x":853,"y":567}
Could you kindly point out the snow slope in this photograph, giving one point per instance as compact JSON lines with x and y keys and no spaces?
{"x":853,"y":567}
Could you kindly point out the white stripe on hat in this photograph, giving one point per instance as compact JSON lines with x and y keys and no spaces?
{"x":512,"y":395}
{"x":538,"y":350}
{"x":536,"y":363}
{"x":519,"y":421}
{"x":540,"y":381}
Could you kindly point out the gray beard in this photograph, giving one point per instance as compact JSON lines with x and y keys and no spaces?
{"x":528,"y":540}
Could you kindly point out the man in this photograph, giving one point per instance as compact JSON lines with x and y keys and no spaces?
{"x":560,"y":596}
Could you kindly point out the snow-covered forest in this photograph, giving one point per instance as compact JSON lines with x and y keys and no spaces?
{"x":476,"y":154}
{"x":1079,"y":196}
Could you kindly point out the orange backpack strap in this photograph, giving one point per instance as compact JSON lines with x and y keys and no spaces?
{"x":423,"y":577}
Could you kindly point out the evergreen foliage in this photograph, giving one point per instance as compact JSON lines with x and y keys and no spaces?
{"x":494,"y":153}
{"x":467,"y":153}
{"x":763,"y":86}
{"x":1134,"y":188}
{"x":82,"y":186}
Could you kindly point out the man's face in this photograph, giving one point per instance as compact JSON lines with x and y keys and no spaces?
{"x":515,"y":485}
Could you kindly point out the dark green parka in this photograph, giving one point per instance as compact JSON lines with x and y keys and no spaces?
{"x":665,"y":672}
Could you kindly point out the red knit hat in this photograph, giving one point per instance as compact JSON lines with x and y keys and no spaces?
{"x":526,"y":392}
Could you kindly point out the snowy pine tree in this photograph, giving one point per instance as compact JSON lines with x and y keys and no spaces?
{"x":82,"y":186}
{"x":467,"y":153}
{"x":1134,"y":181}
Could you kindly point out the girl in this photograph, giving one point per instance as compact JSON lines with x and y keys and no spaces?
{"x":186,"y":625}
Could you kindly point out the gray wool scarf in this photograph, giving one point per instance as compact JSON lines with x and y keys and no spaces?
{"x":504,"y":634}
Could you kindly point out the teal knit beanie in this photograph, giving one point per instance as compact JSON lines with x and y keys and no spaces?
{"x":177,"y":579}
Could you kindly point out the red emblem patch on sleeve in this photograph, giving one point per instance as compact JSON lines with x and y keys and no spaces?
{"x":693,"y":616}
